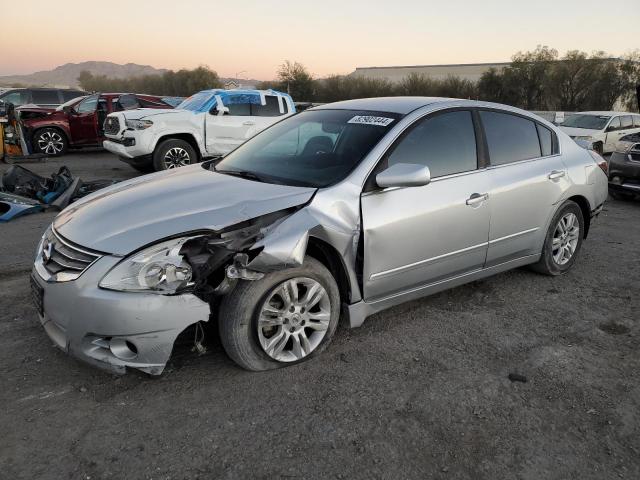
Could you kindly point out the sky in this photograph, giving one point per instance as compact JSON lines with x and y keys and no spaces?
{"x":327,"y":36}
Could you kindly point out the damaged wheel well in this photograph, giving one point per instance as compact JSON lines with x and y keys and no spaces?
{"x":330,"y":258}
{"x":187,"y":137}
{"x":583,"y":203}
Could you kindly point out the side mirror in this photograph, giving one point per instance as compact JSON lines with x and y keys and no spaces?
{"x":68,"y":109}
{"x":213,"y":111}
{"x":404,"y":175}
{"x":610,"y":128}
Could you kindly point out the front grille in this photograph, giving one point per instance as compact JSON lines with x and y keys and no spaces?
{"x":62,"y":258}
{"x":112,"y":125}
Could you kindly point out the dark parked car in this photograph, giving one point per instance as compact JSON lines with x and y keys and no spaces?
{"x":624,"y":168}
{"x":43,"y":97}
{"x":79,"y":122}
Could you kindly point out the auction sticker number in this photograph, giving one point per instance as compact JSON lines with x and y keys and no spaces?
{"x":371,"y":120}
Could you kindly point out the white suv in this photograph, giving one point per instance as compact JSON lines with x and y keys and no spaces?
{"x":602,"y":129}
{"x":208,"y":124}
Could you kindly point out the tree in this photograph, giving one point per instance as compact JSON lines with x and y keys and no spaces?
{"x":181,"y":83}
{"x":630,"y":71}
{"x":569,"y":82}
{"x":418,"y":84}
{"x":525,"y":78}
{"x":491,"y":86}
{"x":294,"y":79}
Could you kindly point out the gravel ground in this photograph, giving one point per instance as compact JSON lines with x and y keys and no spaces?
{"x":420,"y":391}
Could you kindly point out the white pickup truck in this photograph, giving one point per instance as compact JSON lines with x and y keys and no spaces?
{"x":207,"y":124}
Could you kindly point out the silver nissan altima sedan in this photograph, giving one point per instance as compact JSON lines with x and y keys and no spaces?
{"x":341,"y":211}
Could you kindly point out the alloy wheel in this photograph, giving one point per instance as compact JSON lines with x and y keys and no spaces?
{"x":294,"y":319}
{"x":565,"y":238}
{"x":50,"y":143}
{"x":176,"y":157}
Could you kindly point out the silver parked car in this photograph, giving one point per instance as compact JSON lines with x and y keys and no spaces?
{"x":343,"y":210}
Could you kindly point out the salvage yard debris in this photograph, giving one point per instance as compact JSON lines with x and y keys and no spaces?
{"x":23,"y":191}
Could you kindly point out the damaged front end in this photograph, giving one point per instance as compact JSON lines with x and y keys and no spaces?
{"x":218,"y":260}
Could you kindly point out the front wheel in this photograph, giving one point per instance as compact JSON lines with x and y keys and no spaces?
{"x":50,"y":141}
{"x":282,"y":319}
{"x":173,"y":153}
{"x":563,"y":240}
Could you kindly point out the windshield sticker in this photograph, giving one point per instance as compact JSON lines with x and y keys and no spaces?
{"x":370,"y":120}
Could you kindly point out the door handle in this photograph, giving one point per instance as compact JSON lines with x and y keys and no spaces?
{"x":477,"y":198}
{"x":556,"y":174}
{"x":248,"y":124}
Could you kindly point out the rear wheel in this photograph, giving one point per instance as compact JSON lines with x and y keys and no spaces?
{"x":50,"y":141}
{"x":563,"y":240}
{"x":282,"y":319}
{"x":173,"y":153}
{"x":598,"y":147}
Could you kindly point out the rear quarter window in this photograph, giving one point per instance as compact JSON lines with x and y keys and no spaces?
{"x":547,"y":140}
{"x":510,"y":138}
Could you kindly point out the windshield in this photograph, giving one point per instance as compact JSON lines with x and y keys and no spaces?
{"x":316,"y":148}
{"x":73,"y":101}
{"x":198,"y":102}
{"x":592,"y":122}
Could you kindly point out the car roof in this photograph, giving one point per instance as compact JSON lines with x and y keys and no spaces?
{"x":603,"y":113}
{"x":401,"y":105}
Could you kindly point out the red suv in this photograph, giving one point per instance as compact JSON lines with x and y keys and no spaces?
{"x":79,"y":122}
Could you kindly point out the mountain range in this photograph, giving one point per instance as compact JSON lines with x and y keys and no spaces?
{"x":67,"y":75}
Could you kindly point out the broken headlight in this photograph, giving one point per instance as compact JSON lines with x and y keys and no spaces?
{"x":156,"y":269}
{"x":138,"y":124}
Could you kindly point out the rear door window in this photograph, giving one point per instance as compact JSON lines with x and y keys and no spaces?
{"x":510,"y":138}
{"x":446,"y":143}
{"x":271,"y":109}
{"x":128,"y":102}
{"x":626,"y":122}
{"x":237,"y":106}
{"x":636,"y":121}
{"x":45,"y":97}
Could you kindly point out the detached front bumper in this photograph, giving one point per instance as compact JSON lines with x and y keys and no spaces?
{"x":113,"y":330}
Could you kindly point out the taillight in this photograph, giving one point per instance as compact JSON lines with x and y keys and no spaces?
{"x":602,"y":163}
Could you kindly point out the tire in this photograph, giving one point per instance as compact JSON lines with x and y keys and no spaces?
{"x":246,"y":337}
{"x":50,"y":141}
{"x":173,"y":153}
{"x":598,"y":147}
{"x":553,"y":261}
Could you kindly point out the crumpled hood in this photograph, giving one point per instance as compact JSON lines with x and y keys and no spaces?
{"x":138,"y":212}
{"x":578,"y":132}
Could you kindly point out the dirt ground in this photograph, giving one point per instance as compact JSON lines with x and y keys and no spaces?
{"x":419,"y":391}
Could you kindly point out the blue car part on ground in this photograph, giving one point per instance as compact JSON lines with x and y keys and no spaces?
{"x":12,"y":206}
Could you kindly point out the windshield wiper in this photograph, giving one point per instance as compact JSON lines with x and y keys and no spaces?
{"x":242,"y":174}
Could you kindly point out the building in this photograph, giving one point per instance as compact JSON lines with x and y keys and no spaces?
{"x":467,"y":71}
